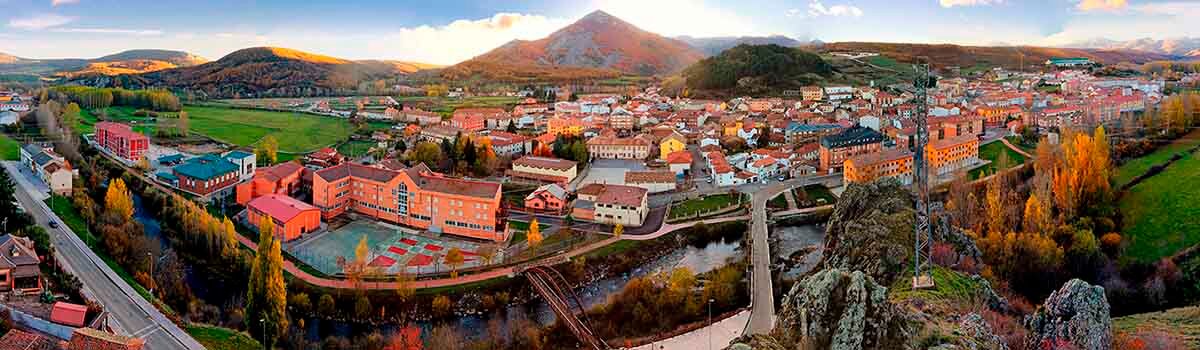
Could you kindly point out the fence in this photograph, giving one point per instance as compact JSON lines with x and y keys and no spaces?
{"x":57,"y":330}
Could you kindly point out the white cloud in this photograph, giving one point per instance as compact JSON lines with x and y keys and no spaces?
{"x":953,"y":3}
{"x":139,"y":32}
{"x":817,"y":9}
{"x":41,"y":21}
{"x":1102,"y":5}
{"x":462,"y":39}
{"x":63,"y":2}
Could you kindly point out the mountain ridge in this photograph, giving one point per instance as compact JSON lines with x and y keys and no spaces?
{"x":597,"y":44}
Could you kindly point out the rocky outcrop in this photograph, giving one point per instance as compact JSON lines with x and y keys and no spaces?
{"x":994,"y":301}
{"x":1077,"y":313}
{"x":871,"y":230}
{"x":978,"y":335}
{"x":837,"y":309}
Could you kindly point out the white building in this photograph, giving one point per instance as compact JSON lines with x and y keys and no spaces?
{"x":51,"y":168}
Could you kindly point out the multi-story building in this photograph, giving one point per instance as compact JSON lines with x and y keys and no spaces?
{"x":205,"y":174}
{"x":951,"y":154}
{"x":654,"y":181}
{"x":611,"y":204}
{"x":438,"y":133}
{"x":414,"y":197}
{"x":323,"y":158}
{"x":613,"y":147}
{"x":507,"y":144}
{"x":475,"y":119}
{"x":673,"y":142}
{"x":246,"y":162}
{"x":892,"y":163}
{"x":812,"y":93}
{"x":547,"y":197}
{"x":564,"y":126}
{"x":54,"y":170}
{"x":621,"y":119}
{"x":120,"y":140}
{"x":282,"y":178}
{"x":836,"y":148}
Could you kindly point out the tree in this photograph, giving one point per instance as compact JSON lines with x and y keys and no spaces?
{"x":618,"y":230}
{"x":183,"y":125}
{"x":356,"y":269}
{"x":512,"y":127}
{"x":118,"y":202}
{"x":534,"y":235}
{"x":441,"y":306}
{"x":326,"y":306}
{"x":268,"y":149}
{"x":444,"y":337}
{"x":454,"y":258}
{"x":144,"y":164}
{"x":428,"y":153}
{"x":266,"y":297}
{"x":1037,"y":216}
{"x":995,"y":206}
{"x":404,"y":286}
{"x":362,"y":307}
{"x":300,"y":303}
{"x":487,"y":253}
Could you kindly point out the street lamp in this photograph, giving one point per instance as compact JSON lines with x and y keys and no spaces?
{"x":151,"y":257}
{"x":710,"y":325}
{"x":262,"y":322}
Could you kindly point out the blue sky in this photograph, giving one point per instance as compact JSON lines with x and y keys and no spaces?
{"x":449,"y":31}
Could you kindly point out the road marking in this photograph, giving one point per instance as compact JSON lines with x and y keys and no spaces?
{"x":151,"y":327}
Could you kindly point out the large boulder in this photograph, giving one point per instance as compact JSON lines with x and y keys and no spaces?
{"x":1077,"y":313}
{"x":837,"y":309}
{"x":871,"y":230}
{"x":978,"y":335}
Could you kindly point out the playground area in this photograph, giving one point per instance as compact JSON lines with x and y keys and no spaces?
{"x":392,"y":249}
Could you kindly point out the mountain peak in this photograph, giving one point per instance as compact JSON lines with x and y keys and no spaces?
{"x":598,"y":15}
{"x":267,"y":53}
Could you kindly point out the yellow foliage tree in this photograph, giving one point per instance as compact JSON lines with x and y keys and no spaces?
{"x":454,"y":258}
{"x":534,"y":235}
{"x":266,"y":297}
{"x":994,"y":205}
{"x":618,"y":230}
{"x":118,"y":201}
{"x":268,"y":149}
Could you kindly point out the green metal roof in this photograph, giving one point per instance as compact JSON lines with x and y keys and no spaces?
{"x":205,"y":167}
{"x":238,"y":154}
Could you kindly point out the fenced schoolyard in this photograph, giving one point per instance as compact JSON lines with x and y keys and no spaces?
{"x":392,"y":250}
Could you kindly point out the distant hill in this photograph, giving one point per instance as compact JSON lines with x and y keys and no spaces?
{"x":1186,"y":47}
{"x":945,"y":55}
{"x":598,"y":45}
{"x":713,"y":46}
{"x":262,"y":72}
{"x":131,"y":61}
{"x":757,"y":69}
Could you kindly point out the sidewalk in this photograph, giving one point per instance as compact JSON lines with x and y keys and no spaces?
{"x":720,"y":333}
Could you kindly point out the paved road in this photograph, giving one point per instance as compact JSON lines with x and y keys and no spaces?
{"x":132,"y":314}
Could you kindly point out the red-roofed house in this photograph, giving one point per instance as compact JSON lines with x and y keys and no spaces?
{"x":475,"y":119}
{"x":292,"y":217}
{"x":680,"y":162}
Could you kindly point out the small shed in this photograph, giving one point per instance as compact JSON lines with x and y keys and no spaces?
{"x":68,"y":314}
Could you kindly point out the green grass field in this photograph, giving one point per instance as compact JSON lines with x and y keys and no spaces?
{"x":220,"y":338}
{"x":814,"y":195}
{"x":296,"y":132}
{"x":992,"y":152}
{"x":702,"y":205}
{"x":1138,"y":166}
{"x":9,"y":148}
{"x":948,"y":286}
{"x":447,"y":105}
{"x":1160,"y":214}
{"x":356,"y":148}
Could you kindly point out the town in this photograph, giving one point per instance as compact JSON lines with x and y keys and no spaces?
{"x":715,"y":193}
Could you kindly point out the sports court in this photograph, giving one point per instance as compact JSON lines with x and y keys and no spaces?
{"x":392,"y":250}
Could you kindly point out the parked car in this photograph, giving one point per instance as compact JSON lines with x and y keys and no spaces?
{"x":53,"y":224}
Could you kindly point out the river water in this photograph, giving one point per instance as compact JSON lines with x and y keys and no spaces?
{"x":788,"y":240}
{"x":700,"y":260}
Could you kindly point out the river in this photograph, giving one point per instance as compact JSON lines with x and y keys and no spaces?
{"x":789,"y":240}
{"x":700,"y":260}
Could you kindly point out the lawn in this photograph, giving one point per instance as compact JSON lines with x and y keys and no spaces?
{"x":220,"y":338}
{"x":814,"y":195}
{"x":778,"y":202}
{"x":296,"y":132}
{"x":1160,"y":214}
{"x":9,"y":148}
{"x":948,"y":286}
{"x":519,"y":228}
{"x":702,"y":205}
{"x":992,"y":152}
{"x":356,"y":148}
{"x":1138,"y":166}
{"x":447,"y":105}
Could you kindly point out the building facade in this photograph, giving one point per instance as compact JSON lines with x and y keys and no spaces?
{"x":206,"y":174}
{"x":121,"y":140}
{"x":414,"y":197}
{"x":835,"y":149}
{"x":292,"y":218}
{"x":560,"y":171}
{"x":612,"y":147}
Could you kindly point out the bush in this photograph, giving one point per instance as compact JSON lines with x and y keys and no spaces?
{"x":442,"y":306}
{"x":300,"y":303}
{"x":326,"y":306}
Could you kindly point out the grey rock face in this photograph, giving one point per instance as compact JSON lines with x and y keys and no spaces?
{"x":1077,"y":313}
{"x":836,"y":309}
{"x":978,"y":334}
{"x":871,"y":230}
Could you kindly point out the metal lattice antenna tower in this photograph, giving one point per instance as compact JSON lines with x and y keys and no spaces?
{"x":923,"y":232}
